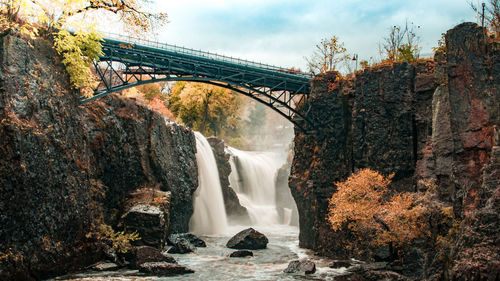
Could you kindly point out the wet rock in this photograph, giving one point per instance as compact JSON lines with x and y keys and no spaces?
{"x":341,"y":263}
{"x":241,"y":253}
{"x":306,"y":266}
{"x":149,"y":221}
{"x":283,"y":197}
{"x":181,"y":246}
{"x":248,"y":239}
{"x":234,"y":210}
{"x":164,"y":269}
{"x":105,"y":266}
{"x":193,"y":239}
{"x":143,"y":254}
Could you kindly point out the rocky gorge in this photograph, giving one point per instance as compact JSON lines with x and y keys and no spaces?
{"x":436,"y":120}
{"x":69,"y":173}
{"x":67,"y":169}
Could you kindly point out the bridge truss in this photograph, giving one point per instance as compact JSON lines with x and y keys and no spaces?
{"x":125,"y":64}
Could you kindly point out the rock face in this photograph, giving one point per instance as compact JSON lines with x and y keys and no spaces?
{"x":64,"y":166}
{"x":234,"y":210}
{"x":134,"y":147}
{"x":143,"y":254}
{"x":432,"y":120}
{"x":285,"y":205}
{"x":193,"y":239}
{"x":306,"y":266}
{"x":248,"y":239}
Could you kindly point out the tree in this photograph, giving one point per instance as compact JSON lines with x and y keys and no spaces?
{"x":491,"y":15}
{"x":401,"y":44}
{"x":363,"y":205}
{"x":327,"y":55}
{"x":81,"y":49}
{"x":203,"y":107}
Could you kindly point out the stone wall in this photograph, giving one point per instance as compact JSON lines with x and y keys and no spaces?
{"x":430,"y":120}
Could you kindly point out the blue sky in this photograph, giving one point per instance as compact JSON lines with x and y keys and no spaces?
{"x":282,"y":32}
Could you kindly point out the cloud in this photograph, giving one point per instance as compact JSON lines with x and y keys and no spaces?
{"x":282,"y":32}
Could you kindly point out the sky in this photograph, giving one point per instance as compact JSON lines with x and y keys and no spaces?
{"x":283,"y":32}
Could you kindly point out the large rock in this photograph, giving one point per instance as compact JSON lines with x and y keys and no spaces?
{"x":241,"y":254}
{"x":181,"y":246}
{"x":305,"y":266}
{"x":193,"y":239}
{"x":143,"y":254}
{"x":150,"y":219}
{"x":248,"y":239}
{"x":164,"y":269}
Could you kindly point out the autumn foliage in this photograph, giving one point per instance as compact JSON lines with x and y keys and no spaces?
{"x":363,"y":204}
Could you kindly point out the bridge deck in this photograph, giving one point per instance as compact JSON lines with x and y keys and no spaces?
{"x":128,"y":63}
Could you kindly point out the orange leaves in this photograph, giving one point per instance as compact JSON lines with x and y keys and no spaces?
{"x":363,"y":205}
{"x":357,"y":198}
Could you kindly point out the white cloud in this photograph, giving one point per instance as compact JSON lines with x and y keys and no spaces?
{"x":283,"y":32}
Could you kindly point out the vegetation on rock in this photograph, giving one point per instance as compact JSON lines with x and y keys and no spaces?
{"x":363,"y":205}
{"x":119,"y":241}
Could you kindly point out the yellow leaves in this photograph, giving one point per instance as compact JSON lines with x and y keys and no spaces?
{"x":196,"y":103}
{"x":79,"y":51}
{"x":120,"y":241}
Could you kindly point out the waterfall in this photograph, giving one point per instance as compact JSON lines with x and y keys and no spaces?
{"x":253,"y":179}
{"x":209,"y":216}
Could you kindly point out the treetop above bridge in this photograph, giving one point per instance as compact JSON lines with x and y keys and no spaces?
{"x":127,"y":62}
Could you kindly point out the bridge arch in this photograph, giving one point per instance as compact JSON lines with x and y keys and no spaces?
{"x":125,"y":65}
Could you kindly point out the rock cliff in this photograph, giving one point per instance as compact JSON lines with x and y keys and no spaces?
{"x":64,"y":168}
{"x":433,"y":119}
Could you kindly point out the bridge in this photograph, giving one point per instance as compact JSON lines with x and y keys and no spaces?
{"x":128,"y":62}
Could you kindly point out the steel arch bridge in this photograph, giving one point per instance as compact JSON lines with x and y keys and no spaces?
{"x":128,"y":62}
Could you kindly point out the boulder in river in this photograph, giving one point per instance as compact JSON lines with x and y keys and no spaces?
{"x":105,"y":266}
{"x":193,"y":239}
{"x":181,"y":246}
{"x":241,"y":254}
{"x":248,"y":239}
{"x":143,"y":254}
{"x":164,"y":269}
{"x":306,"y":266}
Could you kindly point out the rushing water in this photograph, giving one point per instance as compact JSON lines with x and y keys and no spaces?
{"x":253,"y":179}
{"x":209,"y":216}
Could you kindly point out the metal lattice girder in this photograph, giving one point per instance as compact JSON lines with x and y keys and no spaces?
{"x":124,"y":65}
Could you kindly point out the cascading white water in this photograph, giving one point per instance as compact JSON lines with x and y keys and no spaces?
{"x":209,"y":216}
{"x":253,"y":179}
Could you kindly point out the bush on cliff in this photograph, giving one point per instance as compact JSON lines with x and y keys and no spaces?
{"x":364,"y":206}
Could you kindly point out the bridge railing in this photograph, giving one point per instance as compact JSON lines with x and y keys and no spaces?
{"x":199,"y":53}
